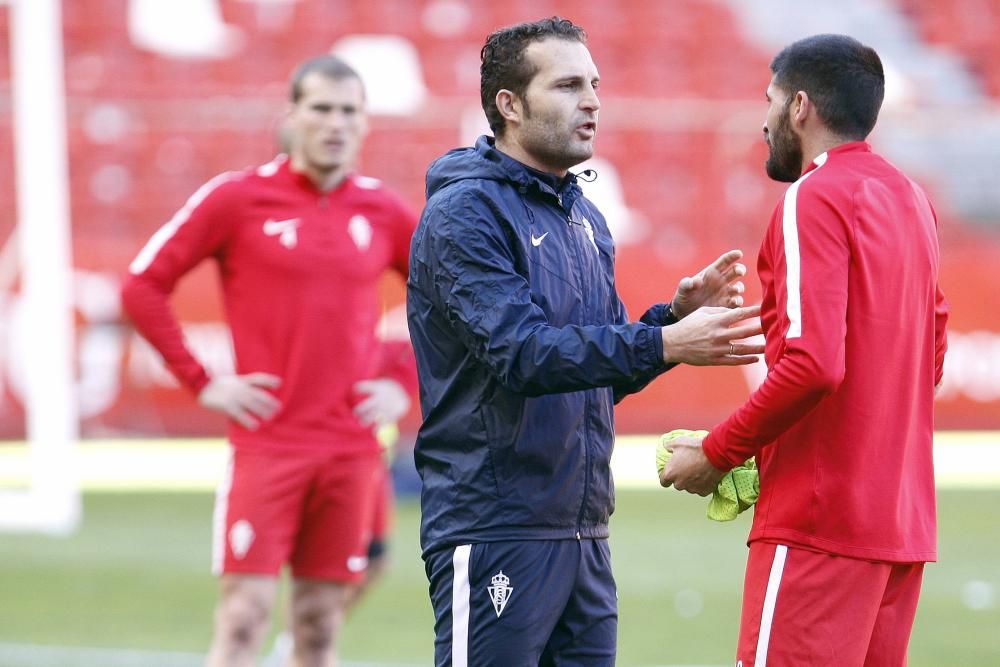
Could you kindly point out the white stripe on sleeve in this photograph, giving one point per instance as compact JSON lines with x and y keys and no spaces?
{"x":793,"y":263}
{"x":460,"y":601}
{"x":167,"y":231}
{"x":770,"y":599}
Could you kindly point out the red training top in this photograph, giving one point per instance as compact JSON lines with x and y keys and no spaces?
{"x":855,"y":329}
{"x":300,"y":271}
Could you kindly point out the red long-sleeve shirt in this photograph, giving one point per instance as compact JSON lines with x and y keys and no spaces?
{"x":299,"y":270}
{"x":855,"y":340}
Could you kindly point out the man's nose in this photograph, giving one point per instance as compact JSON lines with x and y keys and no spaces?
{"x":336,"y":119}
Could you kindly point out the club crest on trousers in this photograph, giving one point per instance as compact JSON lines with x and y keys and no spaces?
{"x":500,"y":591}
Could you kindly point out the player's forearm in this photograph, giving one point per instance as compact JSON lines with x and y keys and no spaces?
{"x":147,"y":306}
{"x":792,"y":389}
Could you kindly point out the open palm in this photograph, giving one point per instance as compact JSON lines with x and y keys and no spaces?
{"x":718,"y":284}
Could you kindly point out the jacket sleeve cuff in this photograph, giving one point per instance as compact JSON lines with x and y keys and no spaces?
{"x":660,"y":315}
{"x":652,"y":350}
{"x":657,"y":345}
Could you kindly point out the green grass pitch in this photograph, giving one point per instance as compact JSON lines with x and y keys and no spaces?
{"x":136,"y":576}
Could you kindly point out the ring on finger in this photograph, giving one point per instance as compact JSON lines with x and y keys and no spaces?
{"x":732,"y":349}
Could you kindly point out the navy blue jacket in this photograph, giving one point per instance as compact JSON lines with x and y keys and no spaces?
{"x":522,"y":347}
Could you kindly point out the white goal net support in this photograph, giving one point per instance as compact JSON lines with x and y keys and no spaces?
{"x":51,"y":501}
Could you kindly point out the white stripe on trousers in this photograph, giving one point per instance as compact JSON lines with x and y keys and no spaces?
{"x":770,"y":598}
{"x":219,"y":515}
{"x":460,"y":600}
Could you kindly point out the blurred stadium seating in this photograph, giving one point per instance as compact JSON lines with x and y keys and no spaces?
{"x":968,"y":28}
{"x":157,"y":104}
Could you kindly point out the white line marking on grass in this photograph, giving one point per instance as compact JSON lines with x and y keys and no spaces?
{"x":962,"y":460}
{"x":39,"y":655}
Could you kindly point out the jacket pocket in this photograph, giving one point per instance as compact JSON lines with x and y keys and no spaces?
{"x":483,"y":415}
{"x":538,"y":458}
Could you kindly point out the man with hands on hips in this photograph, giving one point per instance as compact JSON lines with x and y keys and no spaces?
{"x":301,"y":243}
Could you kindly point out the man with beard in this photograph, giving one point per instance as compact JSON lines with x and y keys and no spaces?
{"x":842,"y":425}
{"x":522,"y":347}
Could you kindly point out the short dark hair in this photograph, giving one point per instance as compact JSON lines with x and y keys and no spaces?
{"x":504,"y":64}
{"x":842,"y":76}
{"x":329,"y":66}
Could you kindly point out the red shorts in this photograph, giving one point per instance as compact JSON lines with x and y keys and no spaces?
{"x":313,"y":511}
{"x":808,"y":608}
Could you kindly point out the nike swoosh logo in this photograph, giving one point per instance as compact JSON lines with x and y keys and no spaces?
{"x":275,"y":227}
{"x":537,"y":240}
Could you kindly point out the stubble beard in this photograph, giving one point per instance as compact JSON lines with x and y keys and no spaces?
{"x":784,"y":159}
{"x":551,"y":145}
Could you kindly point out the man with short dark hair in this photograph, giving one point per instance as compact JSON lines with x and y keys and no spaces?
{"x":523,"y":346}
{"x":301,"y":243}
{"x":842,"y":426}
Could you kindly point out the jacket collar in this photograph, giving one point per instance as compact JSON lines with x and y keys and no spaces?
{"x":565,"y":190}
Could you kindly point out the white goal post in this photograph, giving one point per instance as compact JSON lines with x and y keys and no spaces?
{"x":51,"y":503}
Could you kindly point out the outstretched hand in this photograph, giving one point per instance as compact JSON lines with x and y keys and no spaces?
{"x":688,"y":469}
{"x":243,"y":398}
{"x":713,"y":337}
{"x":718,"y":284}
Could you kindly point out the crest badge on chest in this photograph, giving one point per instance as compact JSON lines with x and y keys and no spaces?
{"x":360,"y":231}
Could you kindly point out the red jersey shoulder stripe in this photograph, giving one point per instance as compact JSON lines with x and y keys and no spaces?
{"x":167,"y":231}
{"x":366,"y":182}
{"x":271,"y":168}
{"x":793,"y":262}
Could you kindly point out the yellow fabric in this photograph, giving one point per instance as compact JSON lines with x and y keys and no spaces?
{"x":738,"y":489}
{"x":387,"y":436}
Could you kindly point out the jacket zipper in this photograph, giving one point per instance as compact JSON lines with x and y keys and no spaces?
{"x":586,"y":397}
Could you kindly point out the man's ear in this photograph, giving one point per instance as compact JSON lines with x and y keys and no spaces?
{"x":364,"y":126}
{"x":801,"y":107}
{"x":509,"y":105}
{"x":284,"y":130}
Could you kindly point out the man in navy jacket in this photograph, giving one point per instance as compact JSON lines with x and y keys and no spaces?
{"x":522,"y":347}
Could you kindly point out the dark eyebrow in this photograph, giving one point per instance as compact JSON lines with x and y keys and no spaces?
{"x":575,"y":78}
